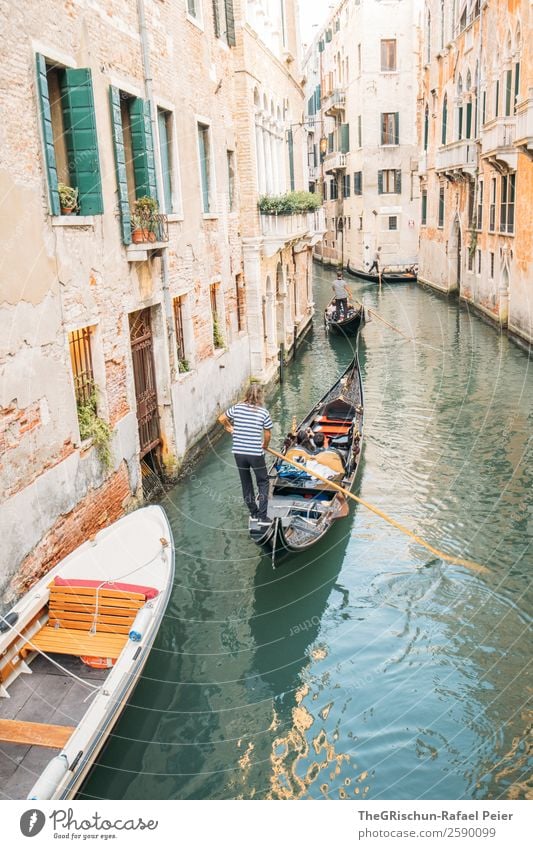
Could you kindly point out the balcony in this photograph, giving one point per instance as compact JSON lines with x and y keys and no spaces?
{"x":498,"y":143}
{"x":150,"y":239}
{"x":335,"y":162}
{"x":303,"y":228}
{"x":457,"y":160}
{"x":524,"y":126}
{"x":335,"y":102}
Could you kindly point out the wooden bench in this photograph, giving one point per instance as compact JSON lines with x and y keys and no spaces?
{"x":87,"y":621}
{"x":35,"y":733}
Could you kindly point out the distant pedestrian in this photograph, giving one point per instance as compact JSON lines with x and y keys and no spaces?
{"x":375,"y":261}
{"x":251,"y":427}
{"x":342,"y":294}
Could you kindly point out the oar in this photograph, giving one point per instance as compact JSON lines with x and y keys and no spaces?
{"x":470,"y":564}
{"x":392,"y":327}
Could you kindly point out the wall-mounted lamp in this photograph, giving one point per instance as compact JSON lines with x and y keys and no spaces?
{"x":323,"y":148}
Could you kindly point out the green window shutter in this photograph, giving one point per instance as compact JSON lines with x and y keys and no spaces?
{"x":120,"y":164}
{"x":444,"y":120}
{"x":516,"y":83}
{"x":321,"y":46}
{"x":398,"y":182}
{"x":216,"y":19}
{"x":396,"y":128}
{"x":48,"y":135}
{"x":311,"y":105}
{"x":230,"y":23}
{"x":318,"y":96}
{"x":508,"y":91}
{"x":204,"y":167}
{"x":329,"y":35}
{"x":331,"y":142}
{"x":143,"y":149}
{"x":468,"y":119}
{"x":460,"y":131}
{"x":315,"y":155}
{"x":291,"y":158}
{"x":81,"y":138}
{"x":345,"y":138}
{"x":380,"y":182}
{"x":165,"y":159}
{"x":497,"y":100}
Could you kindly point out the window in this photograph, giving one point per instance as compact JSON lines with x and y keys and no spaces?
{"x":205,"y":166}
{"x":492,"y":206}
{"x":470,"y":260}
{"x":471,"y":198}
{"x":223,"y":20}
{"x":360,"y":130}
{"x":484,"y":108}
{"x":334,"y":190}
{"x":388,"y":54}
{"x":390,"y":181}
{"x":508,"y":83}
{"x":479,"y":216}
{"x":193,"y":8}
{"x":507,"y":200}
{"x":516,"y":85}
{"x":179,"y":304}
{"x":358,"y":183}
{"x":497,"y":99}
{"x":441,"y":207}
{"x":331,"y":142}
{"x":218,"y":339}
{"x":164,"y":123}
{"x":491,"y":256}
{"x":426,"y":127}
{"x":424,"y":211}
{"x":231,"y":179}
{"x":393,"y":222}
{"x":69,"y":135}
{"x":360,"y":222}
{"x":478,"y":253}
{"x":444,"y":119}
{"x":241,"y":302}
{"x":346,"y":185}
{"x":390,"y":127}
{"x":79,"y":342}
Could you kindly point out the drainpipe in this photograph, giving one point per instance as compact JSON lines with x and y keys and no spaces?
{"x":149,"y":93}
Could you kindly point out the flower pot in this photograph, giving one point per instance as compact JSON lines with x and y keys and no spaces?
{"x":68,"y":210}
{"x":137,"y":236}
{"x":152,"y":236}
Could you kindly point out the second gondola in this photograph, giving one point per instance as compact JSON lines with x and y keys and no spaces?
{"x":347,"y":324}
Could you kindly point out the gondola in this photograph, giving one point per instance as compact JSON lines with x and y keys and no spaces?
{"x":407,"y":276}
{"x":302,"y":507}
{"x":73,"y":648}
{"x":347,"y":325}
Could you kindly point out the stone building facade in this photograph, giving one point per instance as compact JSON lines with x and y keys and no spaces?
{"x":124,"y":327}
{"x":361,"y":87}
{"x":476,"y":147}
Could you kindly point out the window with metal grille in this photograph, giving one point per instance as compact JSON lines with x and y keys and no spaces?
{"x":492,"y":205}
{"x":82,"y":367}
{"x":390,"y":128}
{"x":441,"y":208}
{"x":507,"y":201}
{"x":390,"y":181}
{"x":388,"y":54}
{"x":179,"y":304}
{"x":393,"y":222}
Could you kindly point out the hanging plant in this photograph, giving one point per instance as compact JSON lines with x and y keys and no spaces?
{"x":289,"y":203}
{"x":96,"y":429}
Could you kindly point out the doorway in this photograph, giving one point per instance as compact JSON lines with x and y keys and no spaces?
{"x":145,"y":384}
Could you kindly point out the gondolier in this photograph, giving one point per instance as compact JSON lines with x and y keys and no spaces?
{"x":251,"y":427}
{"x":342,"y":293}
{"x":375,"y":261}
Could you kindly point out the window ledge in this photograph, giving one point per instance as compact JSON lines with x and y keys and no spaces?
{"x":172,"y":217}
{"x":182,"y":376}
{"x":192,"y":20}
{"x":210,"y":216}
{"x":72,"y":220}
{"x":218,"y":353}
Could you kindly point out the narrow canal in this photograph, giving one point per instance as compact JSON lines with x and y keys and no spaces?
{"x":366,"y":668}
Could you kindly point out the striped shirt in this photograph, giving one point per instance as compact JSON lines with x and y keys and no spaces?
{"x":248,"y":422}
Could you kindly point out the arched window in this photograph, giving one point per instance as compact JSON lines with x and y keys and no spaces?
{"x":459,"y":123}
{"x":426,"y":127}
{"x":444,"y":119}
{"x":518,"y":45}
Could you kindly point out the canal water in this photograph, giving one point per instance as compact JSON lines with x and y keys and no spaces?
{"x":365,"y":668}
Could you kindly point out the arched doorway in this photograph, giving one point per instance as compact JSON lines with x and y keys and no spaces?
{"x":454,"y":257}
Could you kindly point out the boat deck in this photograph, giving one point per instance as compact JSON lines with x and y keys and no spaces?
{"x":49,"y":696}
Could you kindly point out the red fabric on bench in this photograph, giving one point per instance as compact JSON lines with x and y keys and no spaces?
{"x":148,"y":592}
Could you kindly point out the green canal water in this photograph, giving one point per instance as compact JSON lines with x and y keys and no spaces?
{"x":365,"y":668}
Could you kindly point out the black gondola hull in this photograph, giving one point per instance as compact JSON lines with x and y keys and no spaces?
{"x":386,"y":277}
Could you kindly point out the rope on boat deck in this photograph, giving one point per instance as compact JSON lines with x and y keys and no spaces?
{"x":470,"y":564}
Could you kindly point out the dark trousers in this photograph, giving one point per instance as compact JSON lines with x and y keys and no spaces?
{"x":341,"y":304}
{"x":245,"y":464}
{"x":374,"y":266}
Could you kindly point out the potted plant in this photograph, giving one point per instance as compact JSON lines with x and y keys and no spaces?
{"x":68,"y":199}
{"x":142,"y":219}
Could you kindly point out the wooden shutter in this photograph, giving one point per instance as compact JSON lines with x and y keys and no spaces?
{"x":317,"y":98}
{"x":143,"y":149}
{"x":230,"y":23}
{"x":396,"y":128}
{"x":120,"y":164}
{"x":516,"y":83}
{"x":468,"y":119}
{"x":291,"y":158}
{"x":48,"y":135}
{"x":345,"y":138}
{"x":398,"y":181}
{"x":81,"y":138}
{"x":380,"y":182}
{"x":216,"y":19}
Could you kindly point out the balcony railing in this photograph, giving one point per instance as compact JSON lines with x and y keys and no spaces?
{"x":497,"y":141}
{"x":524,"y":123}
{"x":335,"y":102}
{"x":278,"y":230}
{"x":154,"y":229}
{"x":459,"y":156}
{"x":335,"y":161}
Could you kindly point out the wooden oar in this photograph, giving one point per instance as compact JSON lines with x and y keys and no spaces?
{"x":392,"y":327}
{"x":470,"y":564}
